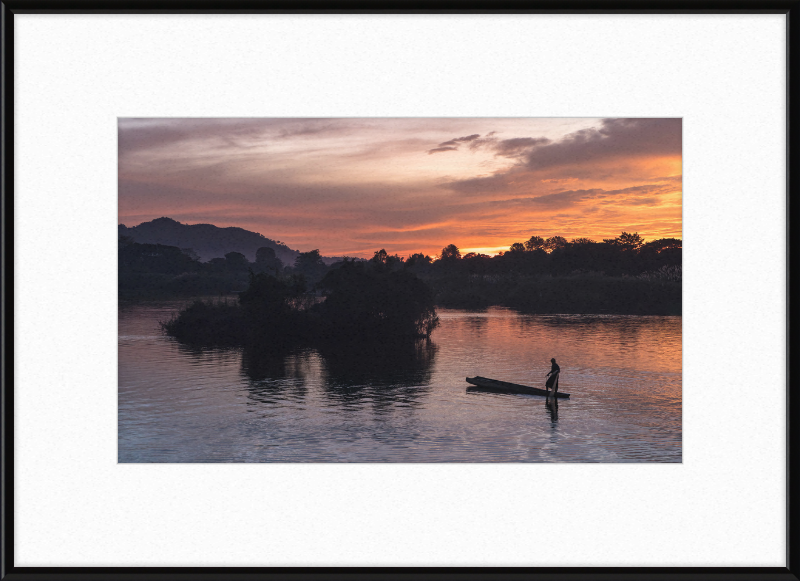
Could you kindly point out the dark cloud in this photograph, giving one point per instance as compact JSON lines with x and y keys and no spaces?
{"x":643,"y":201}
{"x":519,"y":145}
{"x":306,"y":129}
{"x":613,"y":149}
{"x":628,"y":196}
{"x":452,"y":144}
{"x":136,"y":135}
{"x":458,"y":140}
{"x":146,"y":134}
{"x":487,"y":140}
{"x":613,"y":139}
{"x":517,"y":178}
{"x":552,"y":201}
{"x":616,"y":138}
{"x":438,"y":149}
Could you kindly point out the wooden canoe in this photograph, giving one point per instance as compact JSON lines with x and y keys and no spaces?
{"x":505,"y":387}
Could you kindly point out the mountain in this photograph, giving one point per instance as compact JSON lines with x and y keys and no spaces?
{"x":206,"y":240}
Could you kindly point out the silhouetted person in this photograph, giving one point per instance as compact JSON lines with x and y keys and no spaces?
{"x":552,"y":375}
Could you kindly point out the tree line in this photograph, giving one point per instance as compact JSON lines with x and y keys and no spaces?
{"x":628,"y":254}
{"x":622,"y":275}
{"x":625,"y":274}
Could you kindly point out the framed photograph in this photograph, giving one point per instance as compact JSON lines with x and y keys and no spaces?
{"x":311,"y":294}
{"x":359,"y":331}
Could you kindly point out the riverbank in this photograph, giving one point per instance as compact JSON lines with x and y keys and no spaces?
{"x":535,"y":295}
{"x":579,"y":294}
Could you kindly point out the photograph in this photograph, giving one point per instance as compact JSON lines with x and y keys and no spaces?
{"x":399,"y":290}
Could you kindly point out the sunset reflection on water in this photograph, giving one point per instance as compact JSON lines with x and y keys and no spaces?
{"x":179,"y":404}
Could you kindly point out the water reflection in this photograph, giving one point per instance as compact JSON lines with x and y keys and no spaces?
{"x":551,"y":404}
{"x":265,"y":364}
{"x":478,"y":325}
{"x":408,"y":403}
{"x":381,"y":374}
{"x":629,"y":329}
{"x":201,"y":355}
{"x":385,"y":374}
{"x":275,"y":373}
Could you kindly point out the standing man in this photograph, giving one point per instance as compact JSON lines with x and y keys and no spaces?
{"x":552,"y":376}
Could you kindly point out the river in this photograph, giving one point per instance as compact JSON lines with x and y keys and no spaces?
{"x":181,"y":404}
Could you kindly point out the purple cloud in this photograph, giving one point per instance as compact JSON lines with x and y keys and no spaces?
{"x":438,"y":149}
{"x":452,"y":144}
{"x":616,"y":138}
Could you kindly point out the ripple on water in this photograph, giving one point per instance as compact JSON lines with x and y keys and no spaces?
{"x":178,"y":404}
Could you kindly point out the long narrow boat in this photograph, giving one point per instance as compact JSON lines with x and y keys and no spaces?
{"x":505,"y":387}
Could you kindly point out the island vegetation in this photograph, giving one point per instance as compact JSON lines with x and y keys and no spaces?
{"x":394,"y":296}
{"x":364,"y":302}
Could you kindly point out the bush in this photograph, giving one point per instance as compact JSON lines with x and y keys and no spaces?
{"x":207,"y":323}
{"x":369,"y":299}
{"x":364,"y":302}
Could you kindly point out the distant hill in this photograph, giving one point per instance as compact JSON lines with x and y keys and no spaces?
{"x":206,"y":240}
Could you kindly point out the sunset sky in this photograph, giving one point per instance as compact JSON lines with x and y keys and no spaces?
{"x":353,"y":186}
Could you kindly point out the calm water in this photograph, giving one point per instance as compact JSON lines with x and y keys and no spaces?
{"x":178,"y":404}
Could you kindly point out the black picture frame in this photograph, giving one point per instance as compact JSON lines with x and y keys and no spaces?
{"x":11,"y":572}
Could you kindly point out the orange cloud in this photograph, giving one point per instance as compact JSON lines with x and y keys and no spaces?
{"x":352,"y":186}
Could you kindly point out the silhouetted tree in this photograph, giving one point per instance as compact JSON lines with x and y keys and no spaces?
{"x":381,"y":257}
{"x":310,"y":258}
{"x":236,"y":261}
{"x":661,"y":253}
{"x":534,"y":243}
{"x":269,"y":293}
{"x":311,"y":266}
{"x":626,"y":241}
{"x":264,"y":254}
{"x":517,"y":247}
{"x":418,"y":259}
{"x":630,"y":241}
{"x":156,"y":258}
{"x":190,"y":253}
{"x":664,"y":244}
{"x":363,"y":301}
{"x":554,"y":243}
{"x":267,"y":260}
{"x":450,"y":252}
